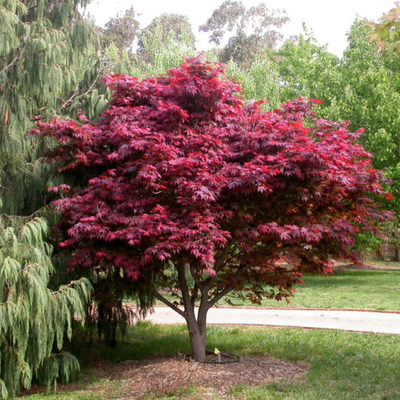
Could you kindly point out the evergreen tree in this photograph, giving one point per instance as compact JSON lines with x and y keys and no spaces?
{"x":33,"y":318}
{"x":164,"y":43}
{"x":49,"y":65}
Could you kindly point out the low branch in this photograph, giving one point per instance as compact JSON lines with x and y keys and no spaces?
{"x":220,"y":262}
{"x":71,"y":99}
{"x":24,"y":217}
{"x":197,"y":285}
{"x":160,"y":297}
{"x":64,"y":288}
{"x":185,"y":290}
{"x":228,"y":288}
{"x":7,"y":303}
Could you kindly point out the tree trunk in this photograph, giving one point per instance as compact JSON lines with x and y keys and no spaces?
{"x":196,"y":324}
{"x":198,"y":341}
{"x":396,"y":254}
{"x":197,"y":328}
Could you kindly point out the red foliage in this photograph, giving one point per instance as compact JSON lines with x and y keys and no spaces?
{"x":180,"y":170}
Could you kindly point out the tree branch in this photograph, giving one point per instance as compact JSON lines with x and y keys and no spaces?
{"x":228,"y":288}
{"x":193,"y":297}
{"x":184,"y":286}
{"x":220,"y":262}
{"x":198,"y":285}
{"x":14,"y":60}
{"x":195,"y":277}
{"x":160,"y":297}
{"x":90,"y":89}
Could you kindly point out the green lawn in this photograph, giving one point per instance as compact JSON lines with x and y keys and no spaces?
{"x":342,"y":365}
{"x":348,"y":288}
{"x":361,"y":289}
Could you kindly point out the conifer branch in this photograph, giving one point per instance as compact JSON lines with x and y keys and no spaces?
{"x":14,"y":60}
{"x":90,"y":89}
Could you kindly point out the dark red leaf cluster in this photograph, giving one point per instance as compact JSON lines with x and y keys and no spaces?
{"x":181,"y":170}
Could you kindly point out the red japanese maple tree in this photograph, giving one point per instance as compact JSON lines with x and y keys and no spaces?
{"x":191,"y":191}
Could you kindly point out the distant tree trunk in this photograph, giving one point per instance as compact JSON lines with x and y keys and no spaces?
{"x":396,"y":253}
{"x":381,"y":251}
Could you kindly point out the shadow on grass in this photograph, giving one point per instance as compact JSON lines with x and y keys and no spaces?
{"x":351,"y":278}
{"x":142,"y":341}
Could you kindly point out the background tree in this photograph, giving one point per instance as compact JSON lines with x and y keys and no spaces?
{"x":361,"y":88}
{"x":252,"y":30}
{"x":300,"y":67}
{"x":122,"y":31}
{"x":387,"y":32}
{"x":49,"y":64}
{"x":192,"y":193}
{"x":165,"y":30}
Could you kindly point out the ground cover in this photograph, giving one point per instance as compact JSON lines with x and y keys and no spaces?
{"x":308,"y":364}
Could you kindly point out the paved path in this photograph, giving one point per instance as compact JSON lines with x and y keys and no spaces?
{"x":359,"y":321}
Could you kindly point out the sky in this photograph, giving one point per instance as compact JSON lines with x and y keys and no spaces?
{"x":329,"y":20}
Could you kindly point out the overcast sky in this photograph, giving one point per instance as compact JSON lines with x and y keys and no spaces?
{"x":329,"y":20}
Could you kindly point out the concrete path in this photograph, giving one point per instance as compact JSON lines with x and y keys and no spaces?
{"x":358,"y":321}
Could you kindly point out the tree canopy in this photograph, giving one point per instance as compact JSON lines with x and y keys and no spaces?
{"x":122,"y":31}
{"x":387,"y":31}
{"x":252,"y":30}
{"x":191,"y":191}
{"x":48,"y":62}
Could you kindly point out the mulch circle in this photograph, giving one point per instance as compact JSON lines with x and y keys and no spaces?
{"x":164,"y":376}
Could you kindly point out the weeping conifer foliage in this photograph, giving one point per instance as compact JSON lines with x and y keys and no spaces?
{"x":34,"y":320}
{"x":50,"y":65}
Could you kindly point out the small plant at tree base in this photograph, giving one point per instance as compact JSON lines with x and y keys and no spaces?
{"x":192,"y":192}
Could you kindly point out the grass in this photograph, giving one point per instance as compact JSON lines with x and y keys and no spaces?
{"x":343,"y":365}
{"x":345,"y":289}
{"x":360,"y":289}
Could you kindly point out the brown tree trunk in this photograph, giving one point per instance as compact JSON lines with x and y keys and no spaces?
{"x":396,"y":254}
{"x":197,"y":327}
{"x":196,"y":324}
{"x":198,"y":341}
